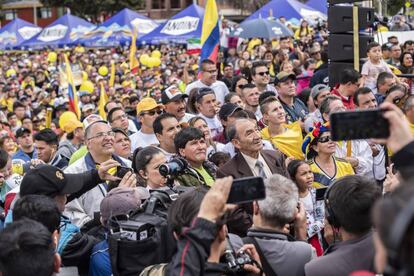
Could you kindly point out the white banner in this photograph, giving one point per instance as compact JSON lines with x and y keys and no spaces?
{"x":53,"y":33}
{"x":179,"y":26}
{"x":143,"y":26}
{"x":29,"y":32}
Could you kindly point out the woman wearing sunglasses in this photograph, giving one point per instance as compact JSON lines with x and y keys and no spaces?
{"x":397,"y":94}
{"x":320,"y":150}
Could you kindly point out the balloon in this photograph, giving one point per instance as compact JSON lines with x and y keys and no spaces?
{"x":84,"y":76}
{"x":87,"y":86}
{"x":103,"y":70}
{"x":67,"y":117}
{"x":10,"y":72}
{"x":154,"y":62}
{"x":156,"y":54}
{"x":52,"y":57}
{"x":144,"y":59}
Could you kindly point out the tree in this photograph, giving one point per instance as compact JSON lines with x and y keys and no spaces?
{"x":93,"y":8}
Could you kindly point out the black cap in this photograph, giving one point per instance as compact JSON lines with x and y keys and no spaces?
{"x":227,"y":110}
{"x":50,"y":181}
{"x":21,"y":131}
{"x":284,"y":76}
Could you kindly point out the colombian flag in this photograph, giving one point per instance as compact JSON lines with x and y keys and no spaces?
{"x":210,"y":36}
{"x":73,"y":97}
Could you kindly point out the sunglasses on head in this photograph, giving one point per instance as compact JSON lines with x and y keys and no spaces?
{"x":324,"y":139}
{"x":263,"y":73}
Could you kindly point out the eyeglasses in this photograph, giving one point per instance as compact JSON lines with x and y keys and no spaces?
{"x":324,"y":139}
{"x":123,"y":116}
{"x":263,"y":73}
{"x":240,"y":86}
{"x":152,"y":112}
{"x":103,"y":134}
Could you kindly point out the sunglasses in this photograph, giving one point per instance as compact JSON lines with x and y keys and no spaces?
{"x":152,"y":112}
{"x":324,"y":139}
{"x":263,"y":73}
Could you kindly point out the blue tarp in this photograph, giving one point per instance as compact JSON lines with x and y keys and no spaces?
{"x":117,"y":30}
{"x":319,"y":5}
{"x":290,"y":9}
{"x":185,"y":25}
{"x":63,"y":32}
{"x":16,"y":32}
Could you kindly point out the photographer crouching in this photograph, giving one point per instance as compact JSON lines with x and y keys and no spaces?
{"x":198,"y":221}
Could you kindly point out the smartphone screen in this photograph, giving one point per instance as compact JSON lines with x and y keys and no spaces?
{"x":247,"y":189}
{"x":360,"y":124}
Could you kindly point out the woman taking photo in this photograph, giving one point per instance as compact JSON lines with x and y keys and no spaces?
{"x":320,"y":150}
{"x":201,"y":124}
{"x":146,"y":163}
{"x":301,"y":173}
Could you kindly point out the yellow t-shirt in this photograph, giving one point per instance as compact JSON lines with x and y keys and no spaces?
{"x":289,"y":143}
{"x":342,"y":168}
{"x":207,"y":178}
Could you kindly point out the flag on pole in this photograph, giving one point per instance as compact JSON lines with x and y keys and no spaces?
{"x":112,"y":77}
{"x":210,"y":35}
{"x":103,"y":99}
{"x":133,"y":61}
{"x":73,"y":97}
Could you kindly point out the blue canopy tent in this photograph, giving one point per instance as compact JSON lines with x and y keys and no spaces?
{"x":117,"y":30}
{"x":319,"y":5}
{"x":290,"y":9}
{"x":16,"y":32}
{"x":63,"y":32}
{"x":185,"y":25}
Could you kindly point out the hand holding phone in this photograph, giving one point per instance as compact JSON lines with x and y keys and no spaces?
{"x":246,"y":189}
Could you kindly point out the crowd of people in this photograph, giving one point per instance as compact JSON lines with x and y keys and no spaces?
{"x":188,"y":128}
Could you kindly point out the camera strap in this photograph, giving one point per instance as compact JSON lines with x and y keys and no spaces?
{"x":267,"y":269}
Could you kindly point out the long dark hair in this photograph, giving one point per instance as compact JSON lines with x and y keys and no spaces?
{"x":141,"y":158}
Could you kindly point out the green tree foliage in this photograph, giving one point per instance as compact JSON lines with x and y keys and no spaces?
{"x":92,"y":8}
{"x":394,"y":6}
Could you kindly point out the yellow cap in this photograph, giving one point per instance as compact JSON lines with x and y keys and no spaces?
{"x":146,"y":104}
{"x":71,"y":125}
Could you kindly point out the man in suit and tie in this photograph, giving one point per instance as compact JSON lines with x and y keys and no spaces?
{"x":251,"y":159}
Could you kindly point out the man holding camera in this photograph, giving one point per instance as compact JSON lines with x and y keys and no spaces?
{"x":99,"y":139}
{"x":191,"y":146}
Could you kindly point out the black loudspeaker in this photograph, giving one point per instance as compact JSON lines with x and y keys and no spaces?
{"x":335,"y":70}
{"x":341,"y":46}
{"x":340,"y":18}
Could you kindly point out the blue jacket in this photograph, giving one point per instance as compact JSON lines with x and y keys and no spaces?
{"x":21,"y":155}
{"x":100,"y":264}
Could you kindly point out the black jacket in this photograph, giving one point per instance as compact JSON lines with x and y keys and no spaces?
{"x":404,"y":161}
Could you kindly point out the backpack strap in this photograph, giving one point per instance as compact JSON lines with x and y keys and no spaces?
{"x":267,"y":269}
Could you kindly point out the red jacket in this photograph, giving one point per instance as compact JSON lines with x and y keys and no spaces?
{"x":348,"y":102}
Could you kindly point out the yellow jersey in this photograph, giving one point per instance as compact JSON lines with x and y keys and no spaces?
{"x":342,"y":168}
{"x":289,"y":143}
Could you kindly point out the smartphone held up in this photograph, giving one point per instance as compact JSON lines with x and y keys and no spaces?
{"x":359,"y":124}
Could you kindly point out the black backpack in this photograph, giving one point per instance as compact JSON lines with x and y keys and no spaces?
{"x":142,"y":238}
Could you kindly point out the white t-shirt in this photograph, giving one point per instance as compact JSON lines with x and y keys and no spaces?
{"x":219,"y":88}
{"x":186,"y":118}
{"x":371,"y":71}
{"x":139,"y":139}
{"x":214,"y":124}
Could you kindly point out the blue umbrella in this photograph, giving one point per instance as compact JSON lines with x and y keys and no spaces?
{"x":262,"y":28}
